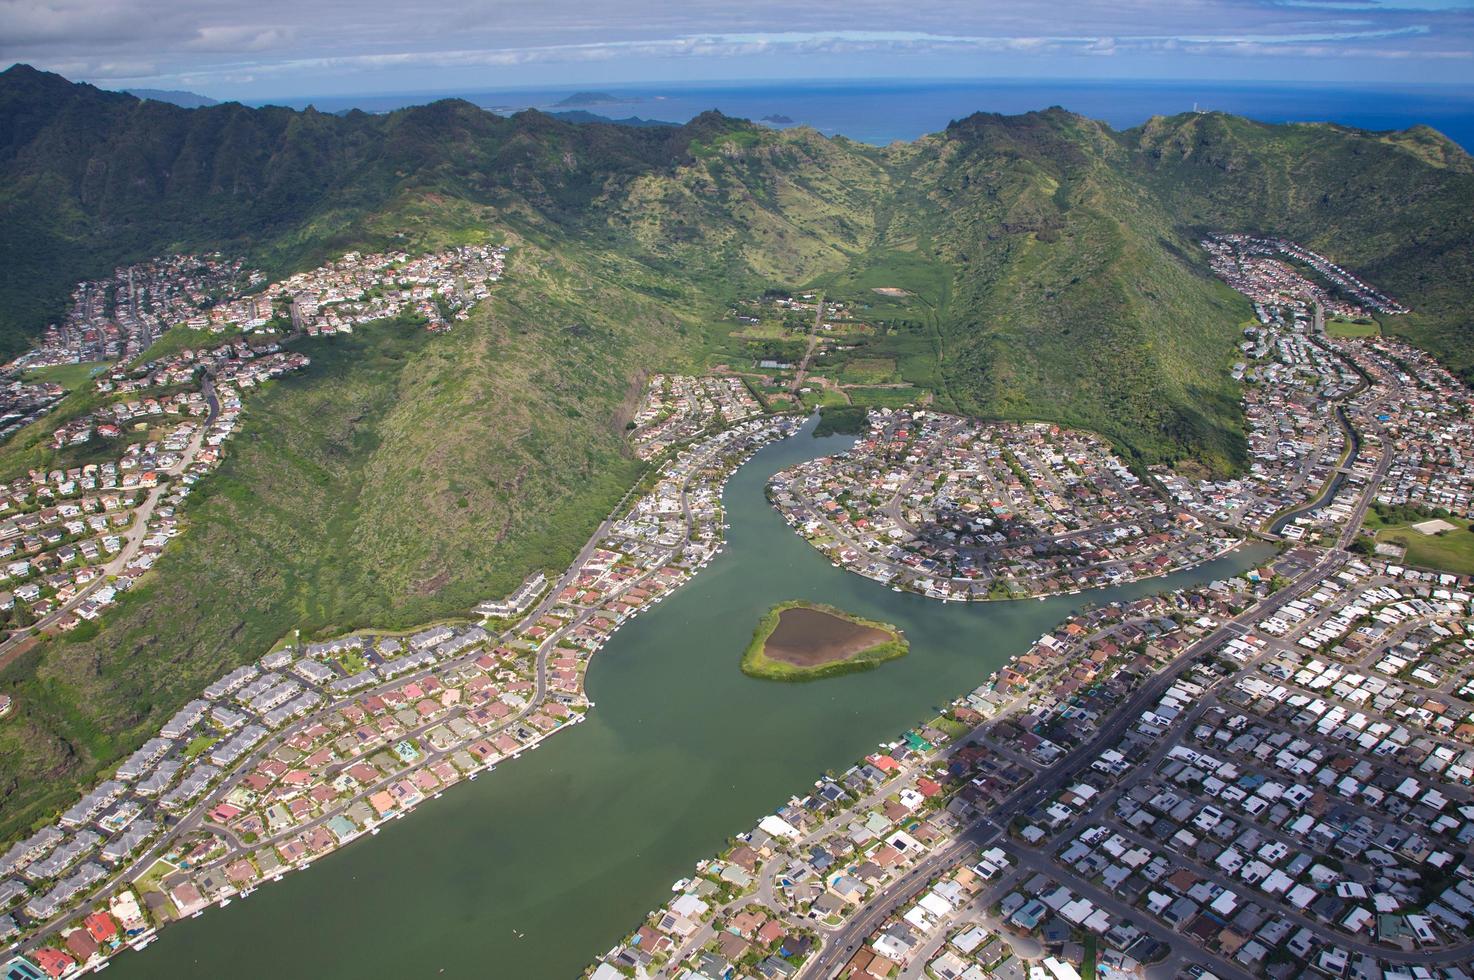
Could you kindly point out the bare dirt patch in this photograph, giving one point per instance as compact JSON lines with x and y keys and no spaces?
{"x":811,"y":637}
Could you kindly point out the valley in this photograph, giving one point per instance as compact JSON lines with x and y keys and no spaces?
{"x":1081,"y":362}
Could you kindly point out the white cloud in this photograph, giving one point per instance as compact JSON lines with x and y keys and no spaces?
{"x":222,"y":40}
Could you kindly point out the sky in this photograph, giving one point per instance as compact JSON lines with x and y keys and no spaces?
{"x":289,"y":48}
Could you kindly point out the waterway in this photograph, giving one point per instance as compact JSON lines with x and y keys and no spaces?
{"x":532,"y":870}
{"x":1328,"y":492}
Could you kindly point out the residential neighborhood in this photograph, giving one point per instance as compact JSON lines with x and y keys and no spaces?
{"x":676,"y":408}
{"x":440,"y":287}
{"x":1296,"y":798}
{"x":73,"y":539}
{"x":118,"y":318}
{"x":961,"y":509}
{"x":317,"y":744}
{"x":1266,"y":776}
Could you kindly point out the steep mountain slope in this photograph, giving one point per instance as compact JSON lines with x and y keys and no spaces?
{"x":1076,"y":299}
{"x":92,"y":178}
{"x":1398,"y":208}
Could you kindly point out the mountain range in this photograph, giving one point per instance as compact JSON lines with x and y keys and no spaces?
{"x":1053,"y":263}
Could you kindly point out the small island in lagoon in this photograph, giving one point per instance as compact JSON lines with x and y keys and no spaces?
{"x":800,"y":641}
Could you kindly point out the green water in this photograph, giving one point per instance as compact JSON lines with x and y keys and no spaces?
{"x":535,"y":868}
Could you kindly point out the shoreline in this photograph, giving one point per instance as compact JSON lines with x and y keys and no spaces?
{"x":757,"y":664}
{"x":727,"y":450}
{"x":1227,"y":549}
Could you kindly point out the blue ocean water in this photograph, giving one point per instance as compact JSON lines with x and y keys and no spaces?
{"x":880,"y":112}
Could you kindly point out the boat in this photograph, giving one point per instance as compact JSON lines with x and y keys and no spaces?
{"x":224,"y":902}
{"x":198,"y":914}
{"x":471,"y":777}
{"x":435,"y":797}
{"x":102,"y":966}
{"x":276,"y":877}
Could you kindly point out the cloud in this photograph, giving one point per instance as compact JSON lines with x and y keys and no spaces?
{"x":222,"y":41}
{"x":850,"y":42}
{"x":238,"y":38}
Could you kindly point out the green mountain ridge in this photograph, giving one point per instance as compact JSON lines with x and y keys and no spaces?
{"x":1052,"y":261}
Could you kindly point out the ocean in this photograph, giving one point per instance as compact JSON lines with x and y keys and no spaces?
{"x":881,"y":112}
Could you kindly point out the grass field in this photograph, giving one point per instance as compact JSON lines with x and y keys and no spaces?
{"x":755,"y":663}
{"x":767,"y":330}
{"x":868,"y":370}
{"x":841,"y":420}
{"x":69,"y":376}
{"x":821,"y":398}
{"x":1352,"y":328}
{"x":1451,"y":551}
{"x":885,"y":397}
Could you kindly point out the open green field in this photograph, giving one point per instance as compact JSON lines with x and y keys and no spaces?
{"x":1352,"y":328}
{"x":199,"y":745}
{"x":884,"y":397}
{"x":757,"y":663}
{"x":868,"y":370}
{"x":908,"y":344}
{"x":841,"y":420}
{"x":69,"y":376}
{"x":821,"y":398}
{"x":1450,"y":551}
{"x":767,"y":330}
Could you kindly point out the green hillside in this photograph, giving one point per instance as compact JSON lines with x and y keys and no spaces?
{"x":1049,"y":265}
{"x":1396,"y":208}
{"x":1076,"y":298}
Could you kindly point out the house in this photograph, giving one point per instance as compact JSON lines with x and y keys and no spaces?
{"x":53,"y":962}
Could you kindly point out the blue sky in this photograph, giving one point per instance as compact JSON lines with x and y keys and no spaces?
{"x":276,"y":49}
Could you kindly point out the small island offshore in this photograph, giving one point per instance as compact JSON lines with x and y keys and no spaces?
{"x":801,"y":641}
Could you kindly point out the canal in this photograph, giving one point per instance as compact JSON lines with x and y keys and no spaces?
{"x":532,"y":870}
